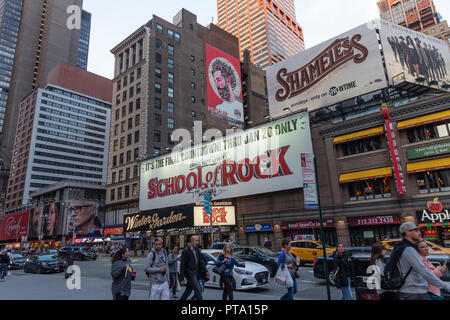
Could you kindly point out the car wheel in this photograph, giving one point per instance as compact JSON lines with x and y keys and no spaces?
{"x":331,"y":277}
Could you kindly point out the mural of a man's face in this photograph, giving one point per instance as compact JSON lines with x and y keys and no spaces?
{"x":219,"y":80}
{"x":83,"y":215}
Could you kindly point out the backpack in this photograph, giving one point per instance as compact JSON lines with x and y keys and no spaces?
{"x":153,"y":260}
{"x":392,"y":279}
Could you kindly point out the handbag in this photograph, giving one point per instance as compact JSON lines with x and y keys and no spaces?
{"x":283,"y":277}
{"x":219,"y":269}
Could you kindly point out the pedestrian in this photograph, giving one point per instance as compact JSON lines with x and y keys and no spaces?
{"x":201,"y":276}
{"x":135,"y":250}
{"x":4,"y":262}
{"x":377,"y":258}
{"x":434,"y":292}
{"x":10,"y":256}
{"x":173,"y":259}
{"x":286,"y":260}
{"x":122,"y":274}
{"x":157,"y":267}
{"x":343,"y":272}
{"x":415,"y":275}
{"x":191,"y":264}
{"x":227,"y":277}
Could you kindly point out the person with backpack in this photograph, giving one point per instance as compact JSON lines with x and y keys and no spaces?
{"x":434,"y":292}
{"x":343,"y":272}
{"x":377,"y":258}
{"x":157,"y":267}
{"x":405,"y":270}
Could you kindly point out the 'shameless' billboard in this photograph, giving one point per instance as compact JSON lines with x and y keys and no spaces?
{"x":261,"y":160}
{"x":338,"y":69}
{"x":411,"y":55}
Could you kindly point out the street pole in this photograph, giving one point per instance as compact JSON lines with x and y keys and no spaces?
{"x":322,"y":234}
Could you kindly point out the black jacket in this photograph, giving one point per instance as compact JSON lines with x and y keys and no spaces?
{"x":188,"y":266}
{"x":4,"y":259}
{"x":342,"y":269}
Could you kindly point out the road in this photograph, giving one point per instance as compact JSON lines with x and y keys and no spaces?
{"x":96,"y":285}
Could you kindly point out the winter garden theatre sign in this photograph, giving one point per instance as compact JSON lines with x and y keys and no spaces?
{"x":170,"y":218}
{"x":261,"y":160}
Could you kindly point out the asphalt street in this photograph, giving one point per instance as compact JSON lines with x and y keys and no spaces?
{"x":96,"y":285}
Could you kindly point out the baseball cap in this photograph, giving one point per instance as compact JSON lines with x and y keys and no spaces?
{"x":408,"y":226}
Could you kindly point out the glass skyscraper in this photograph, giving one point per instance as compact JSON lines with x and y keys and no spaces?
{"x":267,"y":28}
{"x":83,"y":47}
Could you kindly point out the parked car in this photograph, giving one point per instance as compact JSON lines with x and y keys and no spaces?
{"x":220,"y":245}
{"x":252,"y":276}
{"x":44,"y":264}
{"x":361,"y":262}
{"x":434,"y":248}
{"x":80,"y":253}
{"x":308,"y":250}
{"x":319,"y":269}
{"x":19,"y":261}
{"x":263,"y":256}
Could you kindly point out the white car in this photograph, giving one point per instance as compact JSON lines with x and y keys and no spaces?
{"x":252,"y":276}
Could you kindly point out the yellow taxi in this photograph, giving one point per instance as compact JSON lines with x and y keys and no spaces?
{"x":434,"y":248}
{"x":308,"y":250}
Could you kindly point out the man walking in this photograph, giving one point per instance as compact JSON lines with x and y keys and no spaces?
{"x":412,"y":269}
{"x":173,"y":259}
{"x":343,"y":272}
{"x":4,"y":262}
{"x":191,"y":265}
{"x":157,"y":266}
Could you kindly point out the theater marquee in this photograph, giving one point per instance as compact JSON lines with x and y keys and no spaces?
{"x":222,"y":216}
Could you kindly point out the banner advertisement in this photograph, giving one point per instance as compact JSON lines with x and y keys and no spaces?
{"x":51,"y":215}
{"x":411,"y":55}
{"x":222,"y":216}
{"x":14,"y":226}
{"x":314,"y":224}
{"x":309,"y":182}
{"x":164,"y":219}
{"x":224,"y":86}
{"x":85,"y":219}
{"x":35,"y":222}
{"x":341,"y":68}
{"x":261,"y":160}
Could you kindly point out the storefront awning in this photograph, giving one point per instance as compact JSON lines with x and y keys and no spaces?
{"x":415,"y":122}
{"x":431,"y":165}
{"x":366,"y":175}
{"x":359,"y":135}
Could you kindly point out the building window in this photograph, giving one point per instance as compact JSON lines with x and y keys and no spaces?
{"x":114,"y":163}
{"x":121,"y":160}
{"x":116,"y":145}
{"x":170,"y":49}
{"x":128,"y":161}
{"x":158,"y":72}
{"x":138,"y":88}
{"x":193,"y":99}
{"x":428,"y":132}
{"x":192,"y":58}
{"x":117,"y":114}
{"x":170,"y":77}
{"x":157,"y":136}
{"x":177,"y":37}
{"x":135,"y":171}
{"x":193,"y":85}
{"x":157,"y":119}
{"x":113,"y":194}
{"x":116,"y":129}
{"x":194,"y":114}
{"x":130,"y":123}
{"x":138,"y":104}
{"x":122,"y":142}
{"x":136,"y":153}
{"x":158,"y":57}
{"x":128,"y":170}
{"x":170,"y":34}
{"x":119,"y":193}
{"x":138,"y":73}
{"x":132,"y":77}
{"x":369,"y":189}
{"x":136,"y":137}
{"x":129,"y":139}
{"x":170,"y":64}
{"x":135,"y":190}
{"x":127,"y":192}
{"x":170,"y":123}
{"x":118,"y":99}
{"x":170,"y":93}
{"x":122,"y":127}
{"x":433,"y":181}
{"x":157,"y":103}
{"x":159,"y":28}
{"x":119,"y":85}
{"x":193,"y":72}
{"x":170,"y":107}
{"x":361,"y":146}
{"x":137,"y":120}
{"x":158,"y":44}
{"x":131,"y":92}
{"x":125,"y":81}
{"x":114,"y":176}
{"x":156,"y":152}
{"x":157,"y":87}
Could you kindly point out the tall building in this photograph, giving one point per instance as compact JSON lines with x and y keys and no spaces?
{"x":267,"y":28}
{"x":413,"y":14}
{"x":62,"y":133}
{"x":160,"y":81}
{"x":33,"y":38}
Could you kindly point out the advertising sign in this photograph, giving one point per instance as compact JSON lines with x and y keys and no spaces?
{"x":258,"y":228}
{"x":224,"y":88}
{"x":14,"y":226}
{"x":315,"y":224}
{"x":410,"y":55}
{"x":35,"y":222}
{"x":341,"y":68}
{"x":373,"y":221}
{"x":222,"y":216}
{"x":434,"y":215}
{"x":164,"y":219}
{"x":261,"y":160}
{"x":428,"y":151}
{"x":309,"y":181}
{"x":51,"y":219}
{"x":85,"y":219}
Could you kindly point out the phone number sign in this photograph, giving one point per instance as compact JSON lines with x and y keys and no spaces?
{"x":374,"y":221}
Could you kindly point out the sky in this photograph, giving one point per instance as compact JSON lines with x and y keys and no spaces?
{"x":114,"y":20}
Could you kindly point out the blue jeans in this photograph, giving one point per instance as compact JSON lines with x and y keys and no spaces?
{"x":4,"y":270}
{"x":201,"y":284}
{"x":291,"y":291}
{"x":347,"y":291}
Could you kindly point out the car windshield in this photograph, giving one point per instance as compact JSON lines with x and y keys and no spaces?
{"x":266,"y":252}
{"x":47,"y":258}
{"x":17,"y":256}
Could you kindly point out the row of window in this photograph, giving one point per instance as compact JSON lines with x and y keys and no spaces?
{"x":119,"y":177}
{"x":125,"y":192}
{"x":124,"y":80}
{"x":116,"y":145}
{"x":128,"y":160}
{"x":131,"y":92}
{"x":130,"y":109}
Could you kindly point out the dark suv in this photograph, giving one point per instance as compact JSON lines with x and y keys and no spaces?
{"x":79,"y":253}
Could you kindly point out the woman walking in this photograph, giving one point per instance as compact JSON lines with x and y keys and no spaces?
{"x":434,"y":292}
{"x":121,"y":271}
{"x":377,"y":258}
{"x":287,"y":260}
{"x":227,"y":277}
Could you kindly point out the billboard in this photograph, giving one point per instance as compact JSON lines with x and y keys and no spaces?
{"x":35,"y":222}
{"x":222,"y":216}
{"x":85,"y":219}
{"x":224,"y":87}
{"x":261,"y":160}
{"x":52,"y":214}
{"x":164,"y":219}
{"x":14,"y":226}
{"x":410,"y":55}
{"x":341,"y":68}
